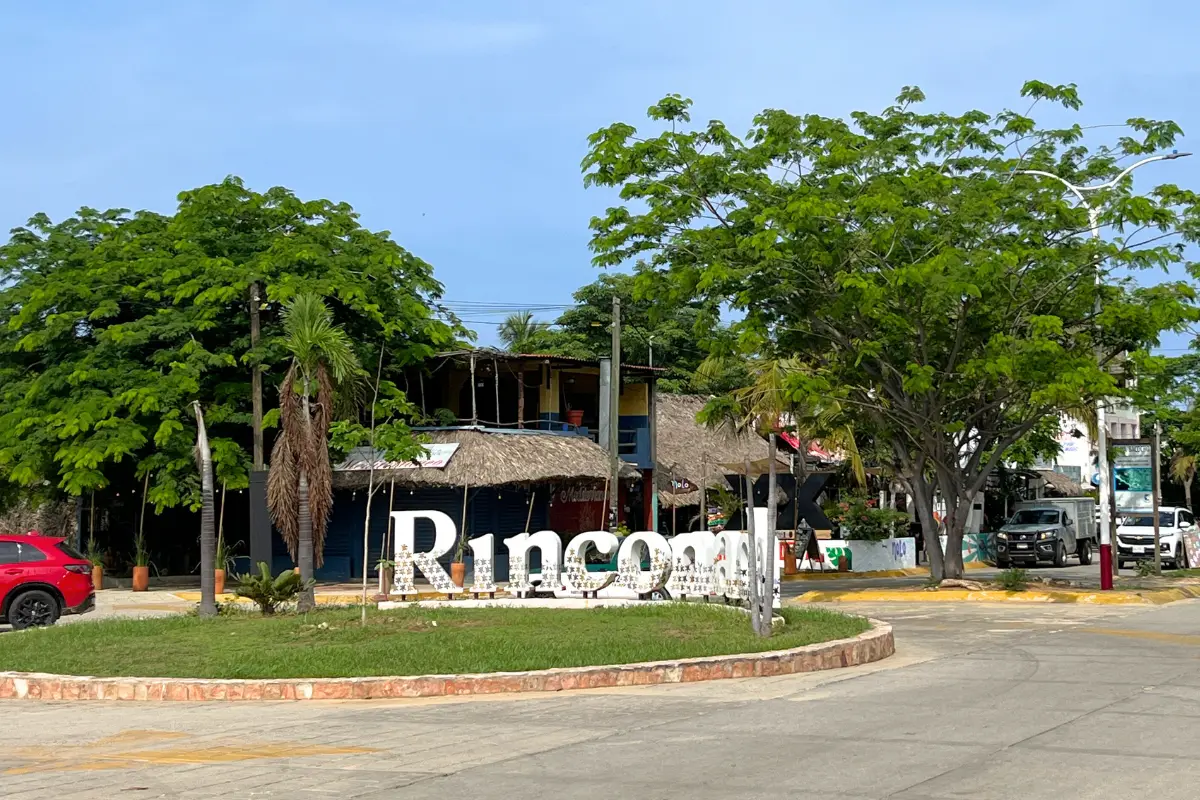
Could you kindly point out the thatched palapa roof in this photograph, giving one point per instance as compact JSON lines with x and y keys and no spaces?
{"x":1057,"y":482}
{"x":489,"y":457}
{"x":687,"y":449}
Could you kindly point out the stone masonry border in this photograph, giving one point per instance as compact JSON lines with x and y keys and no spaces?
{"x":873,"y":645}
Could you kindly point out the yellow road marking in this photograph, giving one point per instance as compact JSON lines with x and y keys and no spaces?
{"x":1154,"y":636}
{"x":110,"y":753}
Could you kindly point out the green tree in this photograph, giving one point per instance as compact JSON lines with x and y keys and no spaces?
{"x":520,"y":333}
{"x":677,"y":333}
{"x":944,"y":301}
{"x":112,"y":324}
{"x":300,"y":483}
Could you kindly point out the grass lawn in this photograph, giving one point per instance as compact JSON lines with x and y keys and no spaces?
{"x":331,"y":643}
{"x":1181,"y":573}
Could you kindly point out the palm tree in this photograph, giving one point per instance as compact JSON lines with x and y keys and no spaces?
{"x":300,"y":483}
{"x":519,"y":331}
{"x":1183,"y":470}
{"x":765,"y":406}
{"x":208,"y":541}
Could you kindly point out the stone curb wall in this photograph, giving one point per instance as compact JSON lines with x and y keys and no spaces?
{"x":873,"y":645}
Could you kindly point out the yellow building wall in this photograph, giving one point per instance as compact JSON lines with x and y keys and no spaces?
{"x":635,"y":400}
{"x":548,"y":398}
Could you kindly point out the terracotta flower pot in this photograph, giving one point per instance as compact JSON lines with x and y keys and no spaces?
{"x":98,"y":577}
{"x":219,"y":580}
{"x":141,"y":579}
{"x":458,"y":573}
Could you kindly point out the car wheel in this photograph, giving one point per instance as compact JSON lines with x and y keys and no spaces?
{"x":1084,"y":549}
{"x":1181,"y":559}
{"x":31,"y":609}
{"x":660,"y":594}
{"x":1060,"y":555}
{"x":1003,"y":563}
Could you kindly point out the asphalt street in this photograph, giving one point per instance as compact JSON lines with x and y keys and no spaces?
{"x":980,"y":701}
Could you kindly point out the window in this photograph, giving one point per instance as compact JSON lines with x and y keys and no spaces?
{"x":30,"y":553}
{"x":1034,"y":516}
{"x":1186,"y":518}
{"x":70,"y":552}
{"x":1074,"y":473}
{"x":10,"y":553}
{"x":1146,"y":520}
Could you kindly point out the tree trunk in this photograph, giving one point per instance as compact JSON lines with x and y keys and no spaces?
{"x":771,"y":554}
{"x":208,"y":539}
{"x":752,"y":571}
{"x":922,"y":495}
{"x":307,"y":599}
{"x":1187,"y":492}
{"x":256,"y":393}
{"x":367,"y":537}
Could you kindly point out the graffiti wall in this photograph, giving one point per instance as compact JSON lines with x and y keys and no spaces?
{"x":889,"y":554}
{"x":899,"y":553}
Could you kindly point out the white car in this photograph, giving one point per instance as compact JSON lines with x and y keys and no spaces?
{"x":1135,"y":535}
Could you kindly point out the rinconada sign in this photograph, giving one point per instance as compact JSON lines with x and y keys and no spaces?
{"x":693,"y":564}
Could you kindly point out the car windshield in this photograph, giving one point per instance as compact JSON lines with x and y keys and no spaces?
{"x":1147,"y":520}
{"x":1035,"y":516}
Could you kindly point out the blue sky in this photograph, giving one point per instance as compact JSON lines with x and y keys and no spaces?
{"x":459,"y":126}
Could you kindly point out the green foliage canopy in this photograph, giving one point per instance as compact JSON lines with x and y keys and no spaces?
{"x":944,"y":300}
{"x":111,"y":323}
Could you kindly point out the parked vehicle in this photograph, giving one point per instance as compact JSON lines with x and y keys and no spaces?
{"x":41,"y":579}
{"x":1048,"y":530}
{"x":1135,"y":536}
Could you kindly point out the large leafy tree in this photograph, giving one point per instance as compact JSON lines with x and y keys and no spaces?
{"x":112,"y":324}
{"x":944,"y":300}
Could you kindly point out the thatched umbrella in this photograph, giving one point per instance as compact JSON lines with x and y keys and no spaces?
{"x":689,"y":450}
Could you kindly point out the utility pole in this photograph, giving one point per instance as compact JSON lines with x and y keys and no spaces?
{"x":614,"y":414}
{"x":1108,"y":565}
{"x":256,"y":392}
{"x":1154,"y":458}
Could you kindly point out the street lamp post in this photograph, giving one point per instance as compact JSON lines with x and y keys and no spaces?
{"x":1106,"y":485}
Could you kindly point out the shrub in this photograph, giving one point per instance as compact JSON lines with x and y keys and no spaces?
{"x":1014,"y":580}
{"x":1145,"y":569}
{"x":859,"y":518}
{"x":267,"y":592}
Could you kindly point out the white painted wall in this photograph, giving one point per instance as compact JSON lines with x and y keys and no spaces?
{"x":898,"y":553}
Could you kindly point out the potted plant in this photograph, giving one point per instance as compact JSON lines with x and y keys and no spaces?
{"x":387,"y":574}
{"x":222,"y":564}
{"x":95,"y":555}
{"x":141,"y":564}
{"x":458,"y":569}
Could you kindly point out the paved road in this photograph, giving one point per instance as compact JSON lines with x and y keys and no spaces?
{"x":980,"y":701}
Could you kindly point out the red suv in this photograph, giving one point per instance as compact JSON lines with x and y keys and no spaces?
{"x":42,"y":578}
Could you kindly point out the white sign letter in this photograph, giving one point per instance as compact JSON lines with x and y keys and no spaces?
{"x":692,"y":571}
{"x":483,"y":552}
{"x":444,"y":537}
{"x":550,"y":546}
{"x":576,"y":576}
{"x":629,"y":562}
